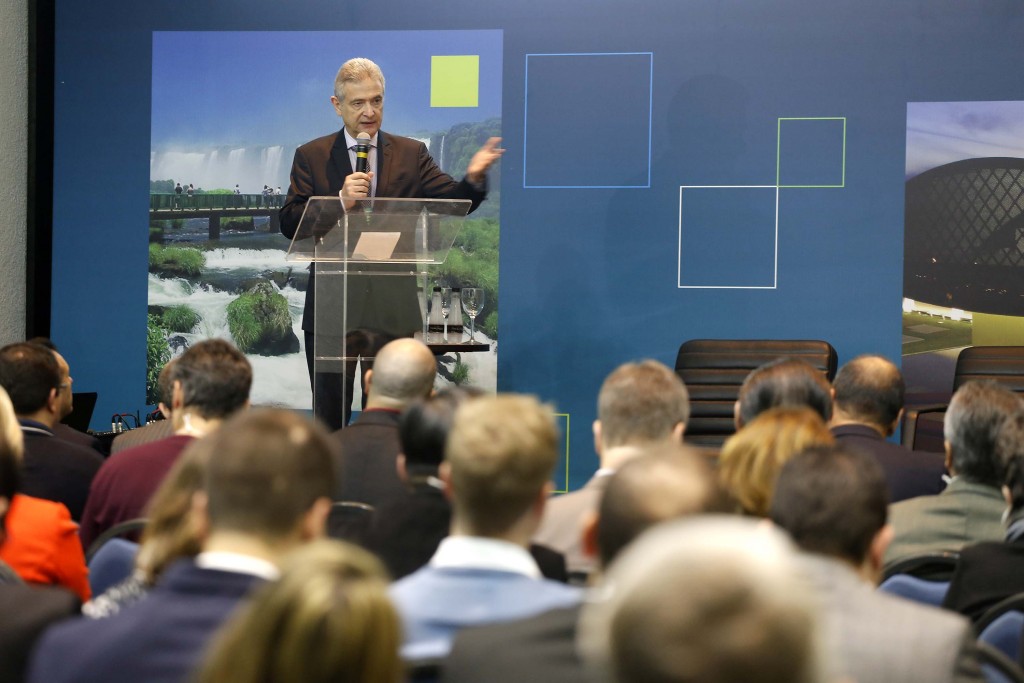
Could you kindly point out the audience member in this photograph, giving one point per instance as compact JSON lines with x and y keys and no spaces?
{"x":640,"y":405}
{"x":752,"y":457}
{"x":267,"y":490}
{"x":406,"y":530}
{"x":154,"y":430}
{"x":171,"y":533}
{"x":40,"y":390}
{"x":402,"y":372}
{"x":27,"y":611}
{"x":783,"y":383}
{"x":989,"y":572}
{"x":328,"y":620}
{"x":500,"y":455}
{"x":833,"y":502}
{"x":665,"y":481}
{"x":867,"y":407}
{"x":211,"y":381}
{"x":712,"y":600}
{"x":971,"y":508}
{"x":61,"y":430}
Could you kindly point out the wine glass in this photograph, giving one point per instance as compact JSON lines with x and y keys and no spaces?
{"x":446,"y":307}
{"x":472,"y":303}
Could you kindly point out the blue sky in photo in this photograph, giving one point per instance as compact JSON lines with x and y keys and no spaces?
{"x":943,"y":132}
{"x":243,"y":88}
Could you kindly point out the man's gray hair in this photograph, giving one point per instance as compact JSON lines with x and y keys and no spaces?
{"x":974,"y":419}
{"x":355,"y":70}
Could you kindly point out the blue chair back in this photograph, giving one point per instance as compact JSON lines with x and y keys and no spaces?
{"x":112,"y":563}
{"x":1004,"y":633}
{"x":918,"y":590}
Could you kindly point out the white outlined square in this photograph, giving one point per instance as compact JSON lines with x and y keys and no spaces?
{"x":775,"y":236}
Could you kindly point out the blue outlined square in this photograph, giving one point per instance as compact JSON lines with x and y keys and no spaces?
{"x":811,"y":152}
{"x":728,"y":237}
{"x":587,"y":120}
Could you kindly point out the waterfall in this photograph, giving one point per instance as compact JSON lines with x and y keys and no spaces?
{"x":224,"y":167}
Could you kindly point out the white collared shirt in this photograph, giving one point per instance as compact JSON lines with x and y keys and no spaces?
{"x":371,"y":159}
{"x":473,"y":552}
{"x":238,"y":563}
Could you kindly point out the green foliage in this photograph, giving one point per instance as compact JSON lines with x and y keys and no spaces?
{"x":460,"y":373}
{"x":219,"y":190}
{"x":158,"y":352}
{"x":161,"y":186}
{"x":176,"y":261}
{"x":260,"y":313}
{"x":473,"y":262}
{"x":180,"y":319}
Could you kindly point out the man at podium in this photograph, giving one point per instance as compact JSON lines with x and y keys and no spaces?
{"x":396,"y":167}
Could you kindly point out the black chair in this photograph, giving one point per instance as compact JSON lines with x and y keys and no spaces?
{"x":928,"y":566}
{"x":714,"y":369}
{"x":997,"y":667}
{"x":349,"y":521}
{"x":424,"y":670}
{"x":129,"y":528}
{"x":1002,"y":364}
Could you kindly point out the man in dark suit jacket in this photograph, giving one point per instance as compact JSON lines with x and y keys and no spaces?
{"x":867,"y":406}
{"x":665,"y":481}
{"x":397,"y":167}
{"x":39,"y":388}
{"x":403,"y":372}
{"x":267,"y":489}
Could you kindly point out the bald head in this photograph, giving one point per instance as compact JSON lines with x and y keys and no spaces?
{"x":665,"y":482}
{"x":403,"y":372}
{"x":869,"y":389}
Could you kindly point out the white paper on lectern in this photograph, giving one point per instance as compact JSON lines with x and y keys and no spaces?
{"x":376,"y":246}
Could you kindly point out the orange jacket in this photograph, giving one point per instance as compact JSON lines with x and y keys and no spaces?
{"x":43,"y":547}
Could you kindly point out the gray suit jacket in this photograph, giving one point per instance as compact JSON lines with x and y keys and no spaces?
{"x":872,"y":637}
{"x":964,"y":513}
{"x":560,"y":528}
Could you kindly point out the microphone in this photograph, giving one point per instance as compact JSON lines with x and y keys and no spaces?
{"x":362,"y":152}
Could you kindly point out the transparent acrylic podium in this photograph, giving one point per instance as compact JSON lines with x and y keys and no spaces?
{"x":369,"y":280}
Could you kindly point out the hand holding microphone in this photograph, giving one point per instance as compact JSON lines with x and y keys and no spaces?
{"x":359,"y":183}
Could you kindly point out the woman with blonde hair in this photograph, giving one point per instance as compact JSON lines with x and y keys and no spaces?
{"x":751,"y":459}
{"x":171,"y":533}
{"x":327,"y":620}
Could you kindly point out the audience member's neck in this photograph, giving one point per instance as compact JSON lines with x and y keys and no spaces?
{"x":614,"y":457}
{"x":840,"y":418}
{"x":43,"y":417}
{"x":384,"y":403}
{"x":520,"y":534}
{"x":188,"y":422}
{"x":246,"y":544}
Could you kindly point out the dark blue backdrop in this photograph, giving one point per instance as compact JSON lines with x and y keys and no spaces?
{"x":640,"y":98}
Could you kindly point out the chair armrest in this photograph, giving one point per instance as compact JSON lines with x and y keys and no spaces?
{"x":910,"y":416}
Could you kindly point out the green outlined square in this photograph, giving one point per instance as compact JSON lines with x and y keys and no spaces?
{"x":565,"y":481}
{"x":811,"y":152}
{"x":455,"y":81}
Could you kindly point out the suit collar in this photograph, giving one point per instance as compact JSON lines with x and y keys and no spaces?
{"x":852,"y":429}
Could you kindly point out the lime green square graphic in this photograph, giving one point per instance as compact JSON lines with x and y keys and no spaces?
{"x":455,"y":81}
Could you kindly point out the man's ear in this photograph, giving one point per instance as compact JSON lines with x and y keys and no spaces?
{"x":53,"y":401}
{"x":368,"y":381}
{"x":177,"y":396}
{"x":596,"y":427}
{"x":588,"y":533}
{"x":678,"y":431}
{"x":736,"y":416}
{"x":314,"y":522}
{"x":403,"y":472}
{"x":879,"y":544}
{"x":444,"y":473}
{"x":895,"y":423}
{"x":949,"y":456}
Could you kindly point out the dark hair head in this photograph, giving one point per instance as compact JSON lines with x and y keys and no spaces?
{"x":784,"y":383}
{"x":265,"y":470}
{"x":975,"y":417}
{"x":641,"y":402}
{"x":832,"y":500}
{"x":215,"y":378}
{"x":424,"y":426}
{"x":28,"y":372}
{"x":664,"y":482}
{"x":870,"y":389}
{"x":1010,"y":446}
